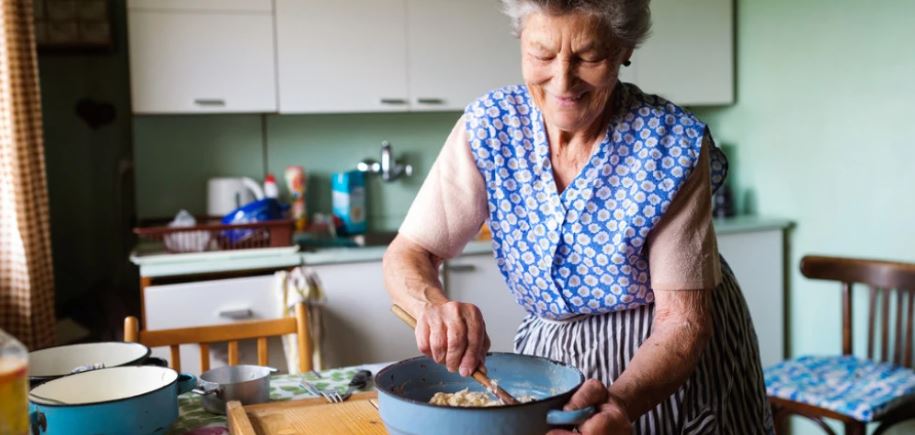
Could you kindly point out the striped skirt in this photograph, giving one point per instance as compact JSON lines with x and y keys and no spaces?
{"x":725,"y":395}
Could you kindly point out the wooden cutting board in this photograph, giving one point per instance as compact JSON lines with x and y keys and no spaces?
{"x":358,"y":415}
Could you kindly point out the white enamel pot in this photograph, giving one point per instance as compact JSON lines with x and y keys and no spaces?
{"x":54,"y":362}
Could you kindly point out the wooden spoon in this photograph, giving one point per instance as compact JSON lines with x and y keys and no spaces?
{"x":477,"y":375}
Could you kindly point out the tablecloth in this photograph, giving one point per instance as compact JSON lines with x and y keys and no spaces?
{"x":194,"y":420}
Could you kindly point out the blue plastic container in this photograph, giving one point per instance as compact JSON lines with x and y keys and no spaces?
{"x":119,"y":400}
{"x":404,"y":390}
{"x":348,"y":200}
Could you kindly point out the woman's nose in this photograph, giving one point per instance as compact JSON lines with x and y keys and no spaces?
{"x":564,"y":74}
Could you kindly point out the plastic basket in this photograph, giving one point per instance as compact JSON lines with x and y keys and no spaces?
{"x":211,"y":235}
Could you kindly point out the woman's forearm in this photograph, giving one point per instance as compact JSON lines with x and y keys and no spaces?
{"x":680,"y":331}
{"x":411,"y":276}
{"x":451,"y":332}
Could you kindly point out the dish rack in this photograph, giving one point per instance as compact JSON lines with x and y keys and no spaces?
{"x":212,"y":235}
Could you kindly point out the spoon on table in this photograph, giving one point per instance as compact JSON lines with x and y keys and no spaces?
{"x":477,"y":375}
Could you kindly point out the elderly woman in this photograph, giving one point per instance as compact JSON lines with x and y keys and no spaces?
{"x":598,"y":197}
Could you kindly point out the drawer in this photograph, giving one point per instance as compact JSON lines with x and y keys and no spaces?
{"x":211,"y":303}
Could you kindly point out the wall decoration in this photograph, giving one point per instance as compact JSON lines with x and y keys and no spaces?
{"x":72,"y":24}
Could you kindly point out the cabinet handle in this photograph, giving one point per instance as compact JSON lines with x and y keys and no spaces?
{"x":393,"y":101}
{"x":210,"y":102}
{"x":461,"y":268}
{"x":430,"y":101}
{"x":244,"y":313}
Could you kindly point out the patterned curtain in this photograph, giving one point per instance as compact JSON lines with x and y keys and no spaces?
{"x":26,"y":274}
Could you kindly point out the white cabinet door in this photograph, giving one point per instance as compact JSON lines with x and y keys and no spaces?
{"x":476,"y":279}
{"x":689,"y":57}
{"x":341,"y":56}
{"x":457,"y":51}
{"x":213,"y":302}
{"x":757,"y":259}
{"x":191,"y":57}
{"x":359,"y":326}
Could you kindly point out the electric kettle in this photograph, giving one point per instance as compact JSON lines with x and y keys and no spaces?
{"x":225,"y":194}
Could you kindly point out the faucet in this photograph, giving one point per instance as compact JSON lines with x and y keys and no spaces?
{"x":389,"y":168}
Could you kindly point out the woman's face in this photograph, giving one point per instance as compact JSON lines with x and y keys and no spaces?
{"x":570,"y":65}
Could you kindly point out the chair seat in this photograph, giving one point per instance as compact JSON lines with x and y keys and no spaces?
{"x":852,"y":386}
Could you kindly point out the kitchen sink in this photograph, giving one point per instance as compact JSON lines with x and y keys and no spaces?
{"x":379,"y":238}
{"x":374,"y":238}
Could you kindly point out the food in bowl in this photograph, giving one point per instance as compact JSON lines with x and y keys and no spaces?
{"x":465,"y":398}
{"x":471,"y":399}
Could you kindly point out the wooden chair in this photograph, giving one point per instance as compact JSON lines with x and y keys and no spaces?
{"x":230,"y":333}
{"x":887,"y":281}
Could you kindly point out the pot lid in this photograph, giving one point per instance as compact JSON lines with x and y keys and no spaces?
{"x":103,"y":385}
{"x":61,"y":360}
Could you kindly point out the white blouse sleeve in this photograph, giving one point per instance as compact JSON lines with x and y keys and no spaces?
{"x":451,"y":204}
{"x":683,"y":252}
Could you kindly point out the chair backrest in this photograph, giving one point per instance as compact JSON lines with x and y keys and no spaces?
{"x":887,"y":280}
{"x":230,"y":333}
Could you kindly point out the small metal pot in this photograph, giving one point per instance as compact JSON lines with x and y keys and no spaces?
{"x":245,"y":383}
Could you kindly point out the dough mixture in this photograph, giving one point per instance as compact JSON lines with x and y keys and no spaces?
{"x":465,"y":398}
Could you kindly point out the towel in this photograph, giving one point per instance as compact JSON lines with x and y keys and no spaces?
{"x":301,"y":284}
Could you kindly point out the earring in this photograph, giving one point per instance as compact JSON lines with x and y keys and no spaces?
{"x":627,"y":63}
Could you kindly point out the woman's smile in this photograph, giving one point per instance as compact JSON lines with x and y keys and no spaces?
{"x":570,"y":66}
{"x":568,"y":100}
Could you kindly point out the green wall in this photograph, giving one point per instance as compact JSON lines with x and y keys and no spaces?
{"x":177,"y":154}
{"x":823,"y":135}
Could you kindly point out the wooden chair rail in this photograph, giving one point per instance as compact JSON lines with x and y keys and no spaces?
{"x":231,"y":334}
{"x":880,"y":273}
{"x":219,"y":333}
{"x":890,"y":303}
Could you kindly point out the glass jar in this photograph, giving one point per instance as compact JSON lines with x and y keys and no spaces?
{"x":14,"y":386}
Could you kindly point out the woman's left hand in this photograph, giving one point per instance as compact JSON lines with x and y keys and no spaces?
{"x":610,"y":418}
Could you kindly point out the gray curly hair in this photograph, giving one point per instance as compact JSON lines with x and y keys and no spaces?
{"x":628,"y":20}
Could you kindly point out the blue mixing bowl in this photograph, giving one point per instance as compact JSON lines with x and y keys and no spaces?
{"x":404,"y":390}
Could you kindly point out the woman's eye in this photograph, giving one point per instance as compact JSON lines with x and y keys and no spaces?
{"x":592,"y":60}
{"x":542,"y":57}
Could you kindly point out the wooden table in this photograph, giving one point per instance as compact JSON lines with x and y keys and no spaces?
{"x":358,"y":415}
{"x":194,"y":420}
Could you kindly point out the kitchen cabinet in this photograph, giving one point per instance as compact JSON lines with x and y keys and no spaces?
{"x":391,"y":55}
{"x":458,"y":50}
{"x":359,"y":326}
{"x":201,"y":56}
{"x":689,"y":57}
{"x":476,"y":279}
{"x":213,"y":302}
{"x":755,"y":250}
{"x":341,"y":56}
{"x":309,"y":56}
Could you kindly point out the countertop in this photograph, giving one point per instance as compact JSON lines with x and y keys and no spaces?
{"x":749,"y":224}
{"x":278,"y":258}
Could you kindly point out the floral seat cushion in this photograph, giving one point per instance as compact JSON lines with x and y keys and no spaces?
{"x":848,"y":385}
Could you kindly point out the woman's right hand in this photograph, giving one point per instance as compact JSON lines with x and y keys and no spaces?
{"x":454,"y":334}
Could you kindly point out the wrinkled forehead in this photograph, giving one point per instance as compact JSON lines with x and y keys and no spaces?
{"x":552,"y":29}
